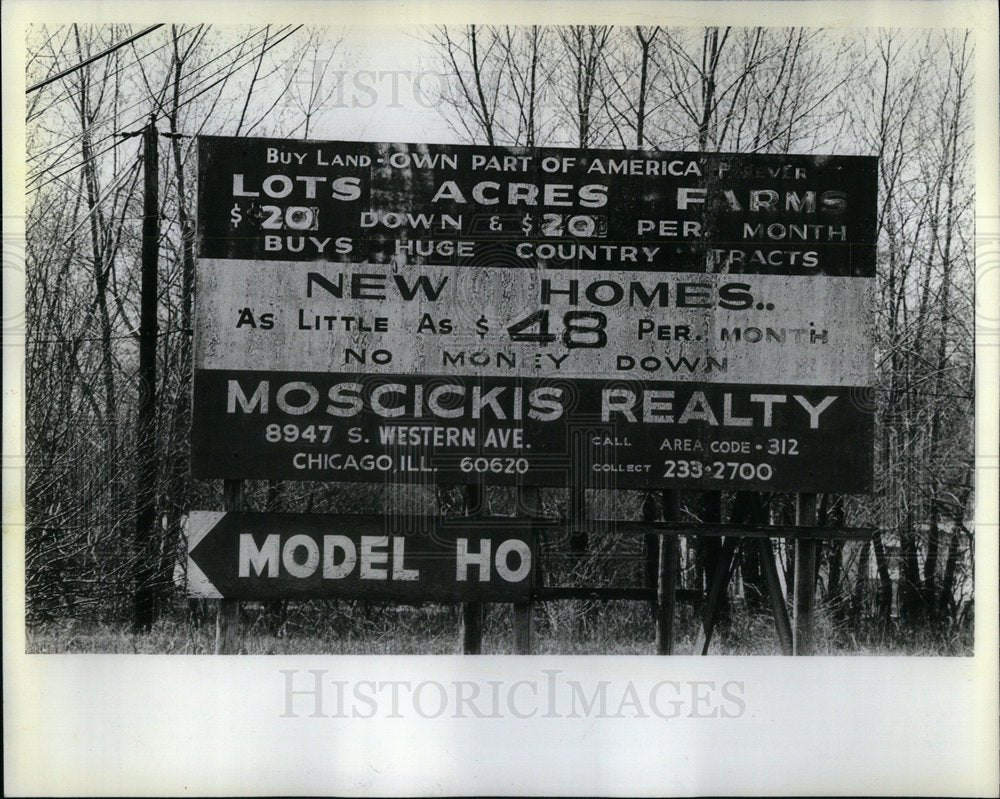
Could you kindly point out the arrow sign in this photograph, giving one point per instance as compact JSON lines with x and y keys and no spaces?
{"x":259,"y":556}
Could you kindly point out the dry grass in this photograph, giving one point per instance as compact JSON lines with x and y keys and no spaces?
{"x":565,"y":628}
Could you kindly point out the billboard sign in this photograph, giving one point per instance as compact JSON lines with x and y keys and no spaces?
{"x":437,"y":313}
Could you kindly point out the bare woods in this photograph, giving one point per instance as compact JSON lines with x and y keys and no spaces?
{"x":903,"y":96}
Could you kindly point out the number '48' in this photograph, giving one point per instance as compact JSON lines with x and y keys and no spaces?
{"x":580,"y":329}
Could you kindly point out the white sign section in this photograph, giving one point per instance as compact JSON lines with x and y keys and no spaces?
{"x":288,"y":316}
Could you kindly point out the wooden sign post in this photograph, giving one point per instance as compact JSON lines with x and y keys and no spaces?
{"x":527,"y":506}
{"x":472,"y":612}
{"x":667,"y":577}
{"x":227,"y":618}
{"x":805,"y":578}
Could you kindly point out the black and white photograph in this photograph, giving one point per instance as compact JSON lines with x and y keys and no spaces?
{"x":446,"y":399}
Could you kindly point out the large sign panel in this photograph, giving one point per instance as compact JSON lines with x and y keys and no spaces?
{"x":401,"y":312}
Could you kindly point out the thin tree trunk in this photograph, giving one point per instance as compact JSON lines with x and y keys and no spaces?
{"x":884,"y":595}
{"x":858,"y":600}
{"x":100,"y":269}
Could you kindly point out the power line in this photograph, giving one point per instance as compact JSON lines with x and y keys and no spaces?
{"x":92,"y":59}
{"x":229,"y":72}
{"x":71,"y":140}
{"x":230,"y":69}
{"x":66,"y":92}
{"x":94,"y":157}
{"x":268,"y":47}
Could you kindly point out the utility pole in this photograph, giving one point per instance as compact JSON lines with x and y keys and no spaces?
{"x":145,"y":520}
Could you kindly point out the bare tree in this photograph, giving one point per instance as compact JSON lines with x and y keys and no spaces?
{"x":475,"y":58}
{"x":497,"y":82}
{"x":632,"y":89}
{"x":579,"y":73}
{"x":81,"y":266}
{"x":912,"y":110}
{"x":902,"y":96}
{"x":750,"y":89}
{"x":313,"y":81}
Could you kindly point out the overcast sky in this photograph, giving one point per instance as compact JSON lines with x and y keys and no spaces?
{"x":391,"y":77}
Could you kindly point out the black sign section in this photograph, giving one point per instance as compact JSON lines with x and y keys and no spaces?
{"x":583,"y":432}
{"x":461,"y":205}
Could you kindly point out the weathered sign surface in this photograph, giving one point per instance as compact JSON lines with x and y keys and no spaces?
{"x":256,"y":556}
{"x":398,"y":312}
